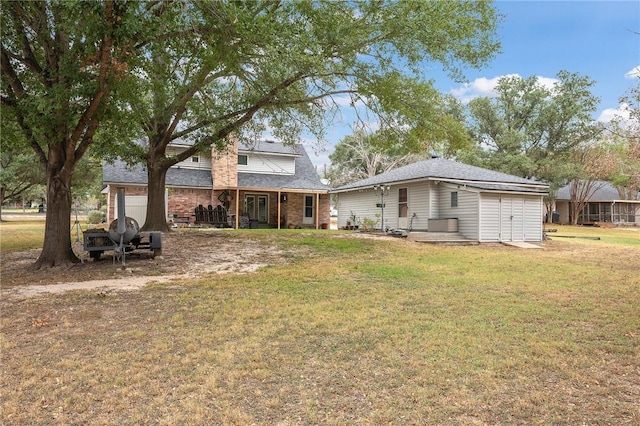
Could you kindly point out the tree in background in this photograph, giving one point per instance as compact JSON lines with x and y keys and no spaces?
{"x":61,"y":62}
{"x":528,"y":130}
{"x":624,"y":142}
{"x":360,"y":156}
{"x":19,"y":171}
{"x":591,"y":165}
{"x":244,"y":67}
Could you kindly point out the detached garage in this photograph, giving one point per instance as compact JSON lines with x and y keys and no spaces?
{"x":442,"y":195}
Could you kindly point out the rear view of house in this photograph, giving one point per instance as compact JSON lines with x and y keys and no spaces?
{"x":437,"y":194}
{"x":264,"y":185}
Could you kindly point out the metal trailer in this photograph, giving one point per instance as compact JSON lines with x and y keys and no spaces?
{"x":97,"y":241}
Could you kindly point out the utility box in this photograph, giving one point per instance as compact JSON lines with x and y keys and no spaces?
{"x":443,"y":225}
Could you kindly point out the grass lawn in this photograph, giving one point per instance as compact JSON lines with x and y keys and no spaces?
{"x":350,"y":331}
{"x":21,"y":234}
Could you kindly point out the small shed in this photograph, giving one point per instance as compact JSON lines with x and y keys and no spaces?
{"x":441,"y":195}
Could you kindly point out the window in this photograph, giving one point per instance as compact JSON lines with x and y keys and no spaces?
{"x":243,"y":160}
{"x":403,"y":207}
{"x":454,"y":199}
{"x":308,"y":206}
{"x":195,"y":159}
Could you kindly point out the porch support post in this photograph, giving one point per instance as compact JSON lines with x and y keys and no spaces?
{"x":317,"y":210}
{"x":237,"y":207}
{"x":278,"y":204}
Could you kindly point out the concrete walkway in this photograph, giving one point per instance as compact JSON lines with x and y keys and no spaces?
{"x":521,"y":244}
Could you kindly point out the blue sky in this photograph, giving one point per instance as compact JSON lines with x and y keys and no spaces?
{"x":597,"y":39}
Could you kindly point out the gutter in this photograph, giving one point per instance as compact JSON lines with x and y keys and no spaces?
{"x":541,"y":187}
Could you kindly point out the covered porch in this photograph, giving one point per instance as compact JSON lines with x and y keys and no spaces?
{"x":283,"y":208}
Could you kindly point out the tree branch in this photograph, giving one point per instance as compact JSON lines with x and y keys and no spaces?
{"x":9,"y":74}
{"x":87,"y":119}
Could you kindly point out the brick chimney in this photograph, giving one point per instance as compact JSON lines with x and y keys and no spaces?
{"x":224,"y":166}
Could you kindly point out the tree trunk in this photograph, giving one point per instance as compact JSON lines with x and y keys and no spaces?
{"x":575,"y":212}
{"x":156,"y":213}
{"x":1,"y":200}
{"x":56,"y":250}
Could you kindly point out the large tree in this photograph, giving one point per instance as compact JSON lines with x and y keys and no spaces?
{"x":529,"y":129}
{"x":364,"y":154}
{"x":60,"y":64}
{"x":361,"y":155}
{"x":624,"y":143}
{"x":243,"y":67}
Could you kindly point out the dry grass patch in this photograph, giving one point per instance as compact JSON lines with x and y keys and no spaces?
{"x":349,"y":331}
{"x":18,"y":235}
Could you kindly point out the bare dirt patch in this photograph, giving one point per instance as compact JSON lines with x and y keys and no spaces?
{"x":185,"y":254}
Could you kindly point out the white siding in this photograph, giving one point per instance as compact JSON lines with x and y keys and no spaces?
{"x":533,"y":208}
{"x":489,"y":217}
{"x":466,"y":212}
{"x":204,"y":163}
{"x":362,"y":204}
{"x":434,"y":205}
{"x":418,"y":205}
{"x":268,"y":164}
{"x":481,"y":216}
{"x":507,"y":217}
{"x":518,"y":225}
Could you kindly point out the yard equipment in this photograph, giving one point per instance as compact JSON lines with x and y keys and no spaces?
{"x":122,"y":237}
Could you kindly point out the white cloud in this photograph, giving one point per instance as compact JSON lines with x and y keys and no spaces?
{"x":480,"y":87}
{"x":634,"y":73}
{"x":547,"y":82}
{"x":485,"y":87}
{"x":621,"y":113}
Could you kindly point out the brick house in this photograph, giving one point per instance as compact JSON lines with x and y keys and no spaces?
{"x":265,"y":185}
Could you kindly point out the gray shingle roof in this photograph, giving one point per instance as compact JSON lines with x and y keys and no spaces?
{"x":305,"y":178}
{"x":120,"y":173}
{"x":604,"y":192}
{"x":439,"y":168}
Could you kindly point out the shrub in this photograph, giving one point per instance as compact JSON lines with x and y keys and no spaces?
{"x":369,"y":224}
{"x":95,"y":216}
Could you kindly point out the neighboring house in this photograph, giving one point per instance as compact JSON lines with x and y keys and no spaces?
{"x":603,"y":205}
{"x":437,"y":194}
{"x":266,"y":185}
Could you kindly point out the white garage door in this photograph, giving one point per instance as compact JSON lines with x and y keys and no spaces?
{"x":135,"y":206}
{"x":510,"y":218}
{"x":490,"y":218}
